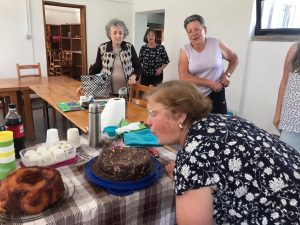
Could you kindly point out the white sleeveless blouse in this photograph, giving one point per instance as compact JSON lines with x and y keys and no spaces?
{"x":207,"y":64}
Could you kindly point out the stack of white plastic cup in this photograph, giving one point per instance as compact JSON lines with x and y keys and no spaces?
{"x":52,"y":137}
{"x":73,"y":137}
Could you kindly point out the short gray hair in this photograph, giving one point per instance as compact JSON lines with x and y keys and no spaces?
{"x":116,"y":22}
{"x":192,"y":18}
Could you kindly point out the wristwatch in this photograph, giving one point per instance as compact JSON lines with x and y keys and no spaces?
{"x":228,"y":74}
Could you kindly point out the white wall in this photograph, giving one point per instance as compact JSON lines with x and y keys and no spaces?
{"x":13,"y":43}
{"x":61,"y":15}
{"x":16,"y":48}
{"x":253,"y":90}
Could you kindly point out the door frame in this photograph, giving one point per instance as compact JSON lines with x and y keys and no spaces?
{"x":83,"y":30}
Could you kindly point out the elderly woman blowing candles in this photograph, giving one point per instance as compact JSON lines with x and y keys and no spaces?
{"x":228,"y":169}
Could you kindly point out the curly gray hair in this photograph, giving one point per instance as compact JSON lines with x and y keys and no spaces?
{"x":116,"y":22}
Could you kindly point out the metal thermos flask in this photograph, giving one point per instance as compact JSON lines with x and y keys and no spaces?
{"x":94,"y":124}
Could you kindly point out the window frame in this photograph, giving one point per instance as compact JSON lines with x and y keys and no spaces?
{"x":278,"y":31}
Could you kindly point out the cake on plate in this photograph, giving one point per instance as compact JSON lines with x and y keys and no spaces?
{"x":31,"y":190}
{"x":122,"y":163}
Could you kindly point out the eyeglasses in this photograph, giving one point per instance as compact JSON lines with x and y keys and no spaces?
{"x":152,"y":112}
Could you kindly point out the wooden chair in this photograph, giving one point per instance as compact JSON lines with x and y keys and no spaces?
{"x":136,"y":94}
{"x":55,"y":63}
{"x":34,"y":71}
{"x":26,"y":71}
{"x":66,"y":62}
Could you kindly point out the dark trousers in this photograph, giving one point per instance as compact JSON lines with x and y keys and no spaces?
{"x":151,"y":80}
{"x":219,"y":102}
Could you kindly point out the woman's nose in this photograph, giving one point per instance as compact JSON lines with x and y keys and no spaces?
{"x":149,"y":121}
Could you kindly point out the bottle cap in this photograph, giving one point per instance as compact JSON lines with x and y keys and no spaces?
{"x":11,"y":105}
{"x":94,"y":107}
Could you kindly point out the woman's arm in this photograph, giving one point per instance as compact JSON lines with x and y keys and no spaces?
{"x":185,"y":75}
{"x":97,"y":67}
{"x":281,"y":91}
{"x":233,"y":61}
{"x":195,"y":207}
{"x":136,"y":64}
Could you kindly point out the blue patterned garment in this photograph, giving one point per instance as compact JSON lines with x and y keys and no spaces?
{"x":257,"y":176}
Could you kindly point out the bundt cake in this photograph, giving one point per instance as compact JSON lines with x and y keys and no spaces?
{"x":122,"y":163}
{"x":30,"y":190}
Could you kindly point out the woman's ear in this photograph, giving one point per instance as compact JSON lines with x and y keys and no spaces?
{"x":180,"y":117}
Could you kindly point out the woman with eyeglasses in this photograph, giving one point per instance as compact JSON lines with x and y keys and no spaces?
{"x":227,"y":169}
{"x":201,"y":63}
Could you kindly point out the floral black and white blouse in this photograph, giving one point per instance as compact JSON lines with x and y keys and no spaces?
{"x":152,"y":58}
{"x":257,"y":176}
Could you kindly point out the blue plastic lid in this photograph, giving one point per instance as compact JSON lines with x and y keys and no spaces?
{"x":110,"y":131}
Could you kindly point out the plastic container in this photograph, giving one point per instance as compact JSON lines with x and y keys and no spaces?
{"x":36,"y":156}
{"x":122,"y":188}
{"x":7,"y":154}
{"x":110,"y":131}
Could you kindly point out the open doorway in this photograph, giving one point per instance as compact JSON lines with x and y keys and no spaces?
{"x":65,"y":38}
{"x":153,"y":19}
{"x":156,"y":21}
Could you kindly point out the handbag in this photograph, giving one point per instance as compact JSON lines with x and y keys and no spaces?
{"x":98,"y":85}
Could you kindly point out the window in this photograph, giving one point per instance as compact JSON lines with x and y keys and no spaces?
{"x":277,"y":17}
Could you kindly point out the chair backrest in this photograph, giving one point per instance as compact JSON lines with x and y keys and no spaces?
{"x":33,"y":70}
{"x":136,"y":94}
{"x":56,"y":58}
{"x":66,"y":59}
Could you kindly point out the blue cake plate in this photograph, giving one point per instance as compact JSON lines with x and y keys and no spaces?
{"x":122,"y":188}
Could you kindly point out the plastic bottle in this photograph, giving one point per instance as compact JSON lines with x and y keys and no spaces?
{"x":13,"y":122}
{"x":94,"y":124}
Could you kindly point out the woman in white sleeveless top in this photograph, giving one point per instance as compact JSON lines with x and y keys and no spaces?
{"x":287,"y":114}
{"x":201,"y":63}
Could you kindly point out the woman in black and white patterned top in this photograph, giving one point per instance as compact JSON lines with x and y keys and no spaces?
{"x":287,"y":114}
{"x":153,"y":58}
{"x":228,"y":169}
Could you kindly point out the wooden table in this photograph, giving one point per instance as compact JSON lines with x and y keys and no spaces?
{"x":66,"y":92}
{"x":12,"y":86}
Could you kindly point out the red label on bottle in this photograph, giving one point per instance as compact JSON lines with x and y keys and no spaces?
{"x":17,"y":130}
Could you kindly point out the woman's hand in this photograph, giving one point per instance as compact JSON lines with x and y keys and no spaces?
{"x":276,"y":121}
{"x":132,"y":79}
{"x":79,"y":91}
{"x":224,"y":80}
{"x":215,"y":86}
{"x":169,"y":169}
{"x":159,"y":71}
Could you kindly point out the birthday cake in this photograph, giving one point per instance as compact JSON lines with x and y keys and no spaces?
{"x":122,"y":163}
